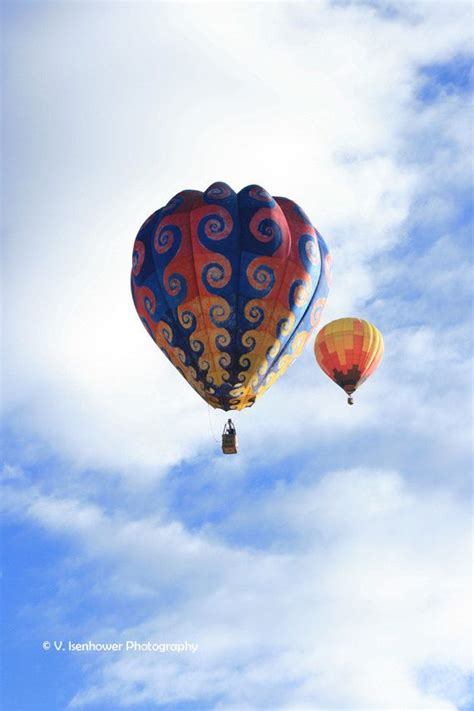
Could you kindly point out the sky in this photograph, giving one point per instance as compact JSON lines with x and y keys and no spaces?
{"x":328,"y":565}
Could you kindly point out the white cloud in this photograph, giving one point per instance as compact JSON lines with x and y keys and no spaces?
{"x":365,"y":587}
{"x":314,"y":101}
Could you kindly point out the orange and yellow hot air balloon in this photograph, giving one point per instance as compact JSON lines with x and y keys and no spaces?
{"x":349,"y":350}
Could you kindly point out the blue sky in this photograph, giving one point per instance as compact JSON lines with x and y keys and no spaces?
{"x":328,"y":565}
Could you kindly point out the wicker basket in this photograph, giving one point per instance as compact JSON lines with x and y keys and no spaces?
{"x":229,"y":443}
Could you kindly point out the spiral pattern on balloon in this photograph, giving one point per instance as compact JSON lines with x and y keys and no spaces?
{"x":309,"y":250}
{"x":254,"y":313}
{"x":222,"y":339}
{"x":216,"y":275}
{"x":197,"y":346}
{"x":138,"y":257}
{"x":300,"y":293}
{"x":248,"y":341}
{"x":224,"y":361}
{"x":176,"y":285}
{"x":260,"y":194}
{"x":285,"y":326}
{"x":316,"y":312}
{"x":218,"y":191}
{"x":165,"y":237}
{"x":204,"y":364}
{"x":220,"y":312}
{"x":149,"y":301}
{"x":267,"y":227}
{"x":254,"y":383}
{"x":237,"y":392}
{"x":273,"y":351}
{"x":187,"y":319}
{"x":268,"y":231}
{"x":261,"y":276}
{"x":245,"y":362}
{"x":215,"y":225}
{"x":165,"y":331}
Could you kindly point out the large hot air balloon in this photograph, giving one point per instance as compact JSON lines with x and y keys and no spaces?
{"x":349,"y":350}
{"x":230,"y":287}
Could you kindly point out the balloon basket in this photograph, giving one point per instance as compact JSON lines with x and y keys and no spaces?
{"x":229,"y":444}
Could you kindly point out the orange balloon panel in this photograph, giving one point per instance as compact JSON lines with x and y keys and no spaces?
{"x":349,"y":350}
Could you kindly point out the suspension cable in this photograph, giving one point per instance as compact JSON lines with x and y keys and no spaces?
{"x":210,"y":424}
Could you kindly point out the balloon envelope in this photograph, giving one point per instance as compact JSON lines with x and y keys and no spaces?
{"x":230,"y":287}
{"x":349,"y":350}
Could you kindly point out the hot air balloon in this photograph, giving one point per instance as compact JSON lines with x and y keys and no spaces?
{"x":349,"y":350}
{"x":230,"y":287}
